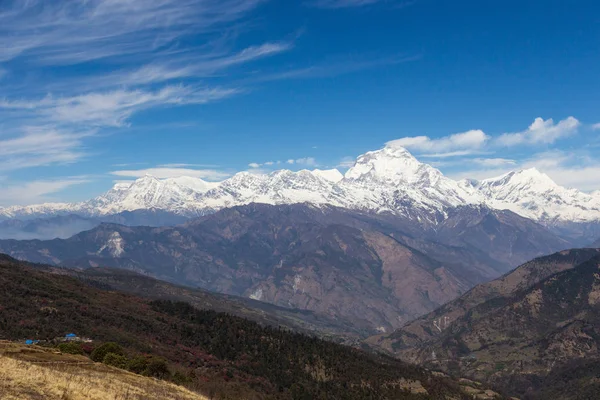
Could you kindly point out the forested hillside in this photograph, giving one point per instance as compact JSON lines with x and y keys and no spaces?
{"x":220,"y":355}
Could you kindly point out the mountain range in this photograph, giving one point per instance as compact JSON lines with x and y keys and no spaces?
{"x":389,"y":180}
{"x":374,"y":272}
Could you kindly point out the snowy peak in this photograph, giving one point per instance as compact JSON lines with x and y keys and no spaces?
{"x":387,"y":180}
{"x":196,"y":184}
{"x":390,"y":165}
{"x":526,"y":179}
{"x":331,"y":175}
{"x":535,"y":195}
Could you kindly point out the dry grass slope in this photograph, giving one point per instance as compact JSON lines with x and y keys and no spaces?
{"x":32,"y":372}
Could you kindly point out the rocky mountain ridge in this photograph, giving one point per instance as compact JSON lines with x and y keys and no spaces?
{"x":373,"y":271}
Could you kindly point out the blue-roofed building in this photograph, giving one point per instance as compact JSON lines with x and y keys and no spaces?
{"x":71,"y":336}
{"x":29,"y":342}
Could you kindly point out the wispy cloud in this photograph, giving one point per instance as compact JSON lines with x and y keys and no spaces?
{"x":184,"y":165}
{"x":346,"y":162}
{"x":191,"y":66}
{"x":494,"y":162}
{"x":596,"y":126}
{"x":73,"y":32}
{"x":164,"y":172}
{"x":37,"y":191}
{"x":355,"y":3}
{"x":334,"y":68}
{"x":138,"y":45}
{"x":305,"y":161}
{"x":111,"y":108}
{"x":40,"y":146}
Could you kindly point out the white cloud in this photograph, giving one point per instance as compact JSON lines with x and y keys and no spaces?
{"x":458,"y":153}
{"x":453,"y":145}
{"x":256,"y":165}
{"x":493,"y":162}
{"x":35,"y":192}
{"x":541,"y":131}
{"x":163,"y":173}
{"x":596,"y":126}
{"x":307,"y":161}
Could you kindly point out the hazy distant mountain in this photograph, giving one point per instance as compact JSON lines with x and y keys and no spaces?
{"x":46,"y":228}
{"x":374,"y":271}
{"x":389,"y":180}
{"x":65,"y":226}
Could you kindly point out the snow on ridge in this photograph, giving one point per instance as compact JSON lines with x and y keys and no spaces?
{"x":386,"y":180}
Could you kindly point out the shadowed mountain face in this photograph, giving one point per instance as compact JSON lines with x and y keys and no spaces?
{"x":373,"y":271}
{"x":533,"y":332}
{"x":267,"y":314}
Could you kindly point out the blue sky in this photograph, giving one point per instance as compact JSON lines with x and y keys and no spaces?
{"x":97,"y":91}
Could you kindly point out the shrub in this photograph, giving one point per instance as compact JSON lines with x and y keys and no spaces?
{"x":157,"y":367}
{"x":180,"y":378}
{"x":70,"y":348}
{"x":101,"y":351}
{"x":138,"y":364}
{"x":115,"y":360}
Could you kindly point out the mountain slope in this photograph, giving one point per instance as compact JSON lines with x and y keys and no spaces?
{"x":225,"y":356}
{"x":429,"y":328}
{"x":526,"y":333}
{"x":321,"y":259}
{"x":264,"y":313}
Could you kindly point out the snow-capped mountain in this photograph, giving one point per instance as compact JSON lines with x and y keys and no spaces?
{"x":386,"y":180}
{"x":535,"y":195}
